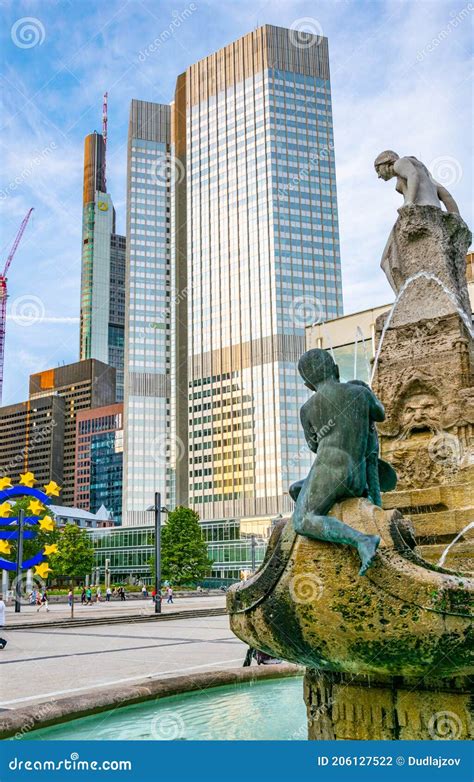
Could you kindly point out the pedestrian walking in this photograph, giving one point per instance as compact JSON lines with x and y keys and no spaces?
{"x":108,"y":594}
{"x":83,"y":595}
{"x":44,"y":602}
{"x":88,"y":596}
{"x":122,"y":593}
{"x":33,"y":598}
{"x":3,"y":642}
{"x":144,"y":592}
{"x":169,"y":595}
{"x":70,"y":598}
{"x":98,"y":595}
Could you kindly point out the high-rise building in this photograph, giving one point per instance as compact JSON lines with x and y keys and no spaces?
{"x":256,"y":252}
{"x":80,"y":386}
{"x":32,"y":439}
{"x":103,"y":267}
{"x":147,"y":400}
{"x":99,"y":460}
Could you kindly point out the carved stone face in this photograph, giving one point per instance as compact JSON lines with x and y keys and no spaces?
{"x":385,"y":171}
{"x":421,"y":411}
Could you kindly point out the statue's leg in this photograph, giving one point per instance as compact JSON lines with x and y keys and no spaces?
{"x":328,"y":486}
{"x":332,"y":530}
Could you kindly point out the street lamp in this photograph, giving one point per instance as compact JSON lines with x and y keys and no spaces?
{"x":158,"y":509}
{"x":19,"y":559}
{"x":254,"y":545}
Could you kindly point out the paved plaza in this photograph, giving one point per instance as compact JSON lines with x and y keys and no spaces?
{"x":135,"y":607}
{"x":40,"y":664}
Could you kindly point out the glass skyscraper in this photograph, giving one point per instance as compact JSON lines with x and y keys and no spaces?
{"x":103,"y":267}
{"x":147,"y":404}
{"x":259,"y":261}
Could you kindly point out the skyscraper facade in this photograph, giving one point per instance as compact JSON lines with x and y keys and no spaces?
{"x":103,"y":267}
{"x":32,"y":439}
{"x":258,"y":261}
{"x":147,"y":408}
{"x":99,"y":460}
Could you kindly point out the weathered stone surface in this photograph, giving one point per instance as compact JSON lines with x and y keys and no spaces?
{"x":402,"y":618}
{"x":429,"y":242}
{"x":358,"y":707}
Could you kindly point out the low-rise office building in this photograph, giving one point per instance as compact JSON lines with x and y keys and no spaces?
{"x":235,"y":547}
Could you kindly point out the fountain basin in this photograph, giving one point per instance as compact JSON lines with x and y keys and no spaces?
{"x":262,"y":702}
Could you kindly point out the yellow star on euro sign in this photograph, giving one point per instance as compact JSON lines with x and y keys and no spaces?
{"x":46,"y":524}
{"x":27,"y":479}
{"x":42,"y":570}
{"x":52,"y":549}
{"x":5,"y":547}
{"x":52,"y":489}
{"x":36,"y":507}
{"x":5,"y":483}
{"x":5,"y":510}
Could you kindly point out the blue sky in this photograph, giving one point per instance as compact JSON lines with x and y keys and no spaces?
{"x":401,"y":79}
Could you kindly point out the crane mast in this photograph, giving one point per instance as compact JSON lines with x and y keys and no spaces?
{"x":4,"y":293}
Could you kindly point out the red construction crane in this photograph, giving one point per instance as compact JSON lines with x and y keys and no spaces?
{"x":4,"y":294}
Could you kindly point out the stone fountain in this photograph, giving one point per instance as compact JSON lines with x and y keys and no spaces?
{"x":349,"y":586}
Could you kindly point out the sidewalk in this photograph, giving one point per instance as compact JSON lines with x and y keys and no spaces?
{"x":128,"y":609}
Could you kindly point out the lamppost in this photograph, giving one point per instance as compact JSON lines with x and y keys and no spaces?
{"x":19,"y":559}
{"x":254,"y":546}
{"x":158,"y":509}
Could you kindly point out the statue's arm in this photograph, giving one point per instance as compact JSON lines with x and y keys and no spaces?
{"x":405,"y":169}
{"x":309,"y":433}
{"x":377,"y":410}
{"x":446,"y":198}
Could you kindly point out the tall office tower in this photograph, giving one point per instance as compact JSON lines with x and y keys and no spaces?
{"x":99,"y":460}
{"x":147,"y":314}
{"x":82,"y":385}
{"x":103,"y":267}
{"x":252,"y":125}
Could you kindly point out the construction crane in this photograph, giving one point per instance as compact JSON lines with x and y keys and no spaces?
{"x":4,"y":294}
{"x":104,"y":130}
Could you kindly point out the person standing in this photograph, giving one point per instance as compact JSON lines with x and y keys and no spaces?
{"x":122,"y":593}
{"x":108,"y":594}
{"x":98,"y":595}
{"x":144,"y":592}
{"x":83,"y":595}
{"x":70,"y":598}
{"x":88,"y":596}
{"x":3,"y":642}
{"x":44,"y":602}
{"x":169,"y":594}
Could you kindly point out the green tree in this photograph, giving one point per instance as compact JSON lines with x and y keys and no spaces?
{"x":183,"y":548}
{"x":75,"y":557}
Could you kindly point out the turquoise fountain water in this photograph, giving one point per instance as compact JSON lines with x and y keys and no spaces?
{"x":258,"y":710}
